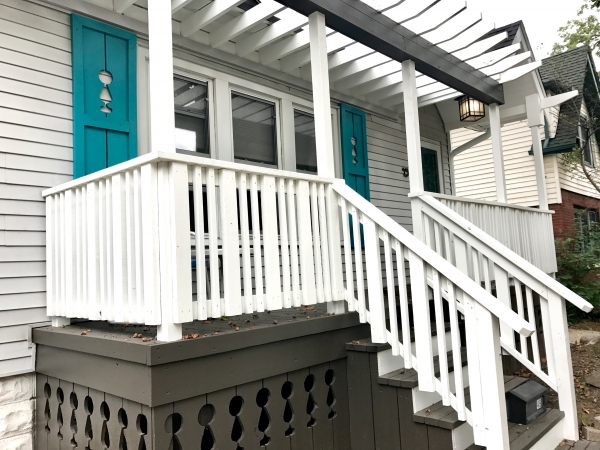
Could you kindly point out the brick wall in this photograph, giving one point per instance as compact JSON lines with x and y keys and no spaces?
{"x":563,"y":219}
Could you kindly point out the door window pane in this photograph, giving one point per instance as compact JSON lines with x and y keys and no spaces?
{"x":254,"y":129}
{"x":431,"y":171}
{"x":191,"y":116}
{"x":306,"y":146}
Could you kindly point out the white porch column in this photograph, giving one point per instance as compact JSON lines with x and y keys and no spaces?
{"x":162,"y":106}
{"x":496,"y":132}
{"x":321,"y":98}
{"x":325,"y":157}
{"x":162,"y":139}
{"x":413,"y":141}
{"x":535,"y":120}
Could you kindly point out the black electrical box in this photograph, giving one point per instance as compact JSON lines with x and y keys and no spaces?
{"x":526,"y":402}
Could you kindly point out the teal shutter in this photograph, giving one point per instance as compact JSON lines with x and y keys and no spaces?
{"x":354,"y":149}
{"x":104,"y":95}
{"x":431,"y":171}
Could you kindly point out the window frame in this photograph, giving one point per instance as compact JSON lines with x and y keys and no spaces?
{"x":236,"y":89}
{"x":209,"y":100}
{"x":588,"y":146}
{"x":437,"y":148}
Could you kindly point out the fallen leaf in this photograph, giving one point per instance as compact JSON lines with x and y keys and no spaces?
{"x":237,"y":328}
{"x":275,"y":322}
{"x":83,"y":333}
{"x":146,"y":339}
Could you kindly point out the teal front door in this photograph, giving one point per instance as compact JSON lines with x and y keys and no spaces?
{"x":104,"y":95}
{"x":355,"y":160}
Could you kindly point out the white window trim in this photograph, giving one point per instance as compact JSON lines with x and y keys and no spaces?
{"x":436,"y":147}
{"x":238,"y":89}
{"x":285,"y":104}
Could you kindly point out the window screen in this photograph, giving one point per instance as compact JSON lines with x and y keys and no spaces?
{"x":254,"y":129}
{"x":191,"y":116}
{"x":306,"y":147}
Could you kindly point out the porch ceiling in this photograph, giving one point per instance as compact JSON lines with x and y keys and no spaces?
{"x":452,"y":56}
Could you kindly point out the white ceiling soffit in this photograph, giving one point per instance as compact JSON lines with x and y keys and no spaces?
{"x":268,"y":33}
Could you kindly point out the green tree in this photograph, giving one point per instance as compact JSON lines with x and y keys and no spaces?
{"x":583,"y":30}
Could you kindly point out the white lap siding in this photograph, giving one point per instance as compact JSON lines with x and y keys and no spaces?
{"x":35,"y":153}
{"x":388,"y":155}
{"x":474,"y":168}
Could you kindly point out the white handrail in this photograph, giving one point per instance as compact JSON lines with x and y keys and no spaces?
{"x":483,"y":297}
{"x":509,"y":257}
{"x":186,"y":159}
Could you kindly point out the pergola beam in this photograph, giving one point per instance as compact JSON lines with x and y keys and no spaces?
{"x":369,"y":27}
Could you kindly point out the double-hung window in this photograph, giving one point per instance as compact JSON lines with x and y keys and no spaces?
{"x":191,"y":116}
{"x":254,"y":129}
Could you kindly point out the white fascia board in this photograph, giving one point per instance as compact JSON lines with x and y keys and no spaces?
{"x":244,"y":22}
{"x":206,"y":15}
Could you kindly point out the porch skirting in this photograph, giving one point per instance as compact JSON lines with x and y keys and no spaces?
{"x":283,"y":385}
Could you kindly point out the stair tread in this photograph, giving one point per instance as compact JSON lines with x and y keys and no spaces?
{"x":366,"y":345}
{"x":530,"y":434}
{"x":407,"y":378}
{"x":446,"y":417}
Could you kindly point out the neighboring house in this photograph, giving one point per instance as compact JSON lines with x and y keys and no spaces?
{"x":569,"y":193}
{"x":224,"y":224}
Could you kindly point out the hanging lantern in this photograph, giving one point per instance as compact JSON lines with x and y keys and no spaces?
{"x":470,"y":109}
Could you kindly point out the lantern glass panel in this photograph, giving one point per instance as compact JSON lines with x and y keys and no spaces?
{"x":470,"y":109}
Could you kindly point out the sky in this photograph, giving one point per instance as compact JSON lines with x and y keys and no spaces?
{"x":542,"y":18}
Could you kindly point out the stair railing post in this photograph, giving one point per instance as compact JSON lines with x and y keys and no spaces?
{"x":563,"y":364}
{"x":491,"y":379}
{"x":374,"y":281}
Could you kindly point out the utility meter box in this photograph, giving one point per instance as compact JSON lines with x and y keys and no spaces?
{"x":526,"y":402}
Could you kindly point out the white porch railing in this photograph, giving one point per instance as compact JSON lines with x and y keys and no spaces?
{"x":526,"y":231}
{"x":119,"y":249}
{"x":512,"y":280}
{"x":119,"y":241}
{"x":404,"y":254}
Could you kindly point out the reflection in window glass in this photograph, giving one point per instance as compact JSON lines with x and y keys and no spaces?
{"x":191,"y":115}
{"x":254,"y":129}
{"x":306,"y":146}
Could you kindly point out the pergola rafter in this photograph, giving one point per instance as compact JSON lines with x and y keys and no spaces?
{"x":366,"y":43}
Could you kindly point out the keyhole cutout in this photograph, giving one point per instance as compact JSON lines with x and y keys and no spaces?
{"x":47,"y":414}
{"x":287,"y":391}
{"x":264,"y":421}
{"x":237,"y":431}
{"x":74,"y":405}
{"x":354,"y":152}
{"x":311,"y":405}
{"x":205,"y":418}
{"x":105,"y":78}
{"x":60,"y":396}
{"x":88,"y":406}
{"x":331,"y":400}
{"x":172,"y":427}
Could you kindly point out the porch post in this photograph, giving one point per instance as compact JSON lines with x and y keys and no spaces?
{"x":413,"y":141}
{"x":162,"y":105}
{"x":325,"y":158}
{"x":496,"y":132}
{"x":535,"y":120}
{"x":321,"y":99}
{"x":162,"y":139}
